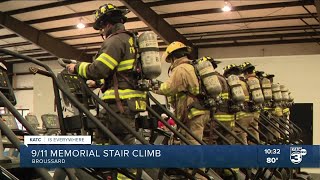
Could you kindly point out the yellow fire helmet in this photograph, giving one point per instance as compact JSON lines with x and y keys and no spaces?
{"x":109,"y":12}
{"x":210,"y":59}
{"x":173,"y":47}
{"x":231,"y":67}
{"x":247,"y":66}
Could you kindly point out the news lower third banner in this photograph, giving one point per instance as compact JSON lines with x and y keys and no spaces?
{"x":163,"y":156}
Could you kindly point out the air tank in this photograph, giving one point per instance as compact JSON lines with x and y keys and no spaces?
{"x":266,"y":89}
{"x":276,"y":93}
{"x":255,"y":90}
{"x":236,"y":88}
{"x":284,"y":93}
{"x":209,"y":78}
{"x":150,"y":57}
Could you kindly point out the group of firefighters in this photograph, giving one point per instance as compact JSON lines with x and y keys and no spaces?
{"x":184,"y":88}
{"x":261,"y":95}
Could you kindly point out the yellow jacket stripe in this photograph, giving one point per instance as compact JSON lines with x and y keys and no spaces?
{"x":286,"y":110}
{"x":277,"y":111}
{"x":83,"y":69}
{"x":107,"y":60}
{"x":240,"y":115}
{"x":124,"y":94}
{"x":123,"y":177}
{"x":224,"y":95}
{"x":195,"y":112}
{"x":194,"y":90}
{"x":247,"y":98}
{"x":126,"y":65}
{"x":224,"y":117}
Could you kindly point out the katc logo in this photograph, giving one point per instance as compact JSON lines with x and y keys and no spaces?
{"x":296,"y":154}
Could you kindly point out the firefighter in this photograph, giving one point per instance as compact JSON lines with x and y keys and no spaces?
{"x":183,"y":87}
{"x":114,"y":63}
{"x":223,"y":112}
{"x":274,"y":108}
{"x":287,"y":106}
{"x":243,"y":116}
{"x":256,"y":98}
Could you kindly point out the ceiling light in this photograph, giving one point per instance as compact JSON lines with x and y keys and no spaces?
{"x":80,"y":25}
{"x":227,"y":6}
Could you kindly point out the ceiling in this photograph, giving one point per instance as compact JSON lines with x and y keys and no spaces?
{"x":46,"y":30}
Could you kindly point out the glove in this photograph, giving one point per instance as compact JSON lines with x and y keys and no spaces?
{"x":156,"y":84}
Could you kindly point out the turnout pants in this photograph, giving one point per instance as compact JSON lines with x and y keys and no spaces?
{"x":115,"y":126}
{"x":196,"y":125}
{"x":244,"y":119}
{"x":256,"y":116}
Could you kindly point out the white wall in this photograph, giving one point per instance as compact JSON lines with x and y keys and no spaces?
{"x":40,"y":100}
{"x":27,"y":95}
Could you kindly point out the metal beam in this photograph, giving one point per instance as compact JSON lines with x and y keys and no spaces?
{"x":30,"y":51}
{"x":253,"y":37}
{"x":54,"y":59}
{"x":27,"y":51}
{"x":203,"y":36}
{"x":23,"y":88}
{"x":155,"y":22}
{"x":238,"y":8}
{"x":99,"y":43}
{"x":42,"y":39}
{"x":31,"y":55}
{"x":15,"y":44}
{"x":8,"y":36}
{"x":264,"y":42}
{"x":87,"y":13}
{"x":40,"y":59}
{"x":45,"y":6}
{"x":256,"y":30}
{"x":214,"y":33}
{"x":317,"y":4}
{"x":206,"y":23}
{"x":243,"y":20}
{"x":185,"y":13}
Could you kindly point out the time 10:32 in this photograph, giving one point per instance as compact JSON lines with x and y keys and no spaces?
{"x":272,"y":151}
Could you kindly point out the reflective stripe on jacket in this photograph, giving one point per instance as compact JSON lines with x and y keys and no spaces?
{"x":124,"y":94}
{"x":241,"y":114}
{"x":224,"y":117}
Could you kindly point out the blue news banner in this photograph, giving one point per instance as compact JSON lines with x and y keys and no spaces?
{"x":157,"y":156}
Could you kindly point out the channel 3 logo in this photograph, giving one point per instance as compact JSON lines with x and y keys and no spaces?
{"x":296,"y":154}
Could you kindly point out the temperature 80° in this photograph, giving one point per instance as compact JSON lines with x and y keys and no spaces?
{"x":272,"y":160}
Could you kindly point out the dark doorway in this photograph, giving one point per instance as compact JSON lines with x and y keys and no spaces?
{"x":302,"y":115}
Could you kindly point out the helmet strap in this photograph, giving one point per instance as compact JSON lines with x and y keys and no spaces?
{"x":102,"y":33}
